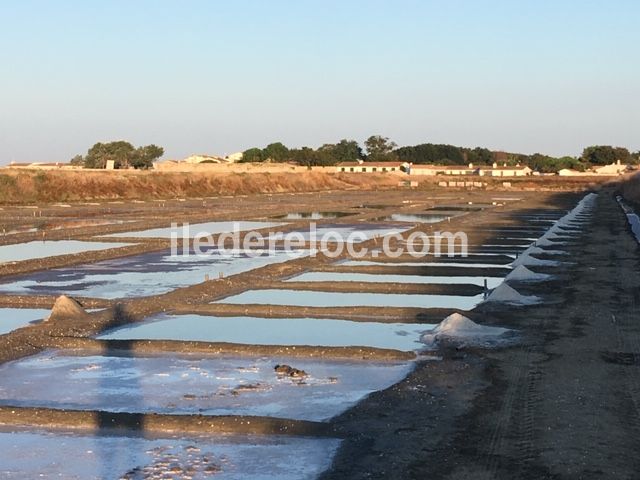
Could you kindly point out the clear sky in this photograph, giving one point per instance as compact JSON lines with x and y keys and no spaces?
{"x":221,"y":76}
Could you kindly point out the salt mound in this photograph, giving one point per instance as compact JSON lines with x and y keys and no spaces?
{"x":560,"y":230}
{"x":537,"y":251}
{"x":505,"y":294}
{"x":553,"y":236}
{"x":66,"y":307}
{"x":528,"y":260}
{"x":457,"y":328}
{"x":523,"y":274}
{"x":545,"y":242}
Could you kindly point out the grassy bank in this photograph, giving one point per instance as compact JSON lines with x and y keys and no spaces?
{"x":24,"y":187}
{"x":39,"y":186}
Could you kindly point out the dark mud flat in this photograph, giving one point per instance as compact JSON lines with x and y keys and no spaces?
{"x":563,"y":404}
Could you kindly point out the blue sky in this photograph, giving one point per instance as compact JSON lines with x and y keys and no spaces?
{"x":222,"y":76}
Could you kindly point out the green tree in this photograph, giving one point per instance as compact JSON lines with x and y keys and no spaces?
{"x":120,"y":152}
{"x":347,"y":151}
{"x":546,"y":164}
{"x":252,"y":155}
{"x":605,"y":155}
{"x":480,"y":156}
{"x":123,"y":154}
{"x":309,"y":157}
{"x":305,"y":156}
{"x":145,"y":156}
{"x":379,"y":148}
{"x":78,"y":161}
{"x":429,"y":153}
{"x":276,"y":152}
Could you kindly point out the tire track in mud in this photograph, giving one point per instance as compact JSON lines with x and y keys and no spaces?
{"x":512,"y":442}
{"x":531,"y":397}
{"x":493,"y":456}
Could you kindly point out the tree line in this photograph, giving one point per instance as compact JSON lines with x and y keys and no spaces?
{"x":123,"y":154}
{"x":379,"y":148}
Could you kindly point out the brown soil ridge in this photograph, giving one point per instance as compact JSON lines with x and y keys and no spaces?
{"x":95,"y":420}
{"x":154,"y":347}
{"x":23,"y":187}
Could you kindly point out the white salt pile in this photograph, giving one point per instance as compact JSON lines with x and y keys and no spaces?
{"x":545,"y":242}
{"x":575,"y":218}
{"x":505,"y":294}
{"x":537,"y":251}
{"x":554,"y":237}
{"x":459,"y":329}
{"x":529,"y":261}
{"x":560,"y":230}
{"x":523,"y":274}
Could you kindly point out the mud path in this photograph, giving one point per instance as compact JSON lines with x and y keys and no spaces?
{"x":564,"y":404}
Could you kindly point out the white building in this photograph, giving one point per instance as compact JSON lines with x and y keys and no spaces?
{"x":443,"y":169}
{"x":505,"y":171}
{"x":204,"y":159}
{"x":612,"y":169}
{"x":369,"y":167}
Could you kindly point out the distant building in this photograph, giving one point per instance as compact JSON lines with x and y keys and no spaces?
{"x":612,"y":169}
{"x":234,"y":157}
{"x":505,"y":171}
{"x":205,"y":159}
{"x":369,"y":167}
{"x":468,"y":170}
{"x":443,"y":169}
{"x":568,"y":172}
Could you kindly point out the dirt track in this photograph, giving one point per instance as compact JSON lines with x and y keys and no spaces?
{"x":564,"y":404}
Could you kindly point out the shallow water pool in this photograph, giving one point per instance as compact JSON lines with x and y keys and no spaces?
{"x":141,"y":275}
{"x":492,"y":282}
{"x":51,"y":248}
{"x":67,"y":456}
{"x":14,"y":318}
{"x":634,"y":223}
{"x":311,"y":298}
{"x":418,"y":217}
{"x":274,"y":331}
{"x":186,"y":385}
{"x":368,"y":263}
{"x":349,"y":233}
{"x":211,"y":228}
